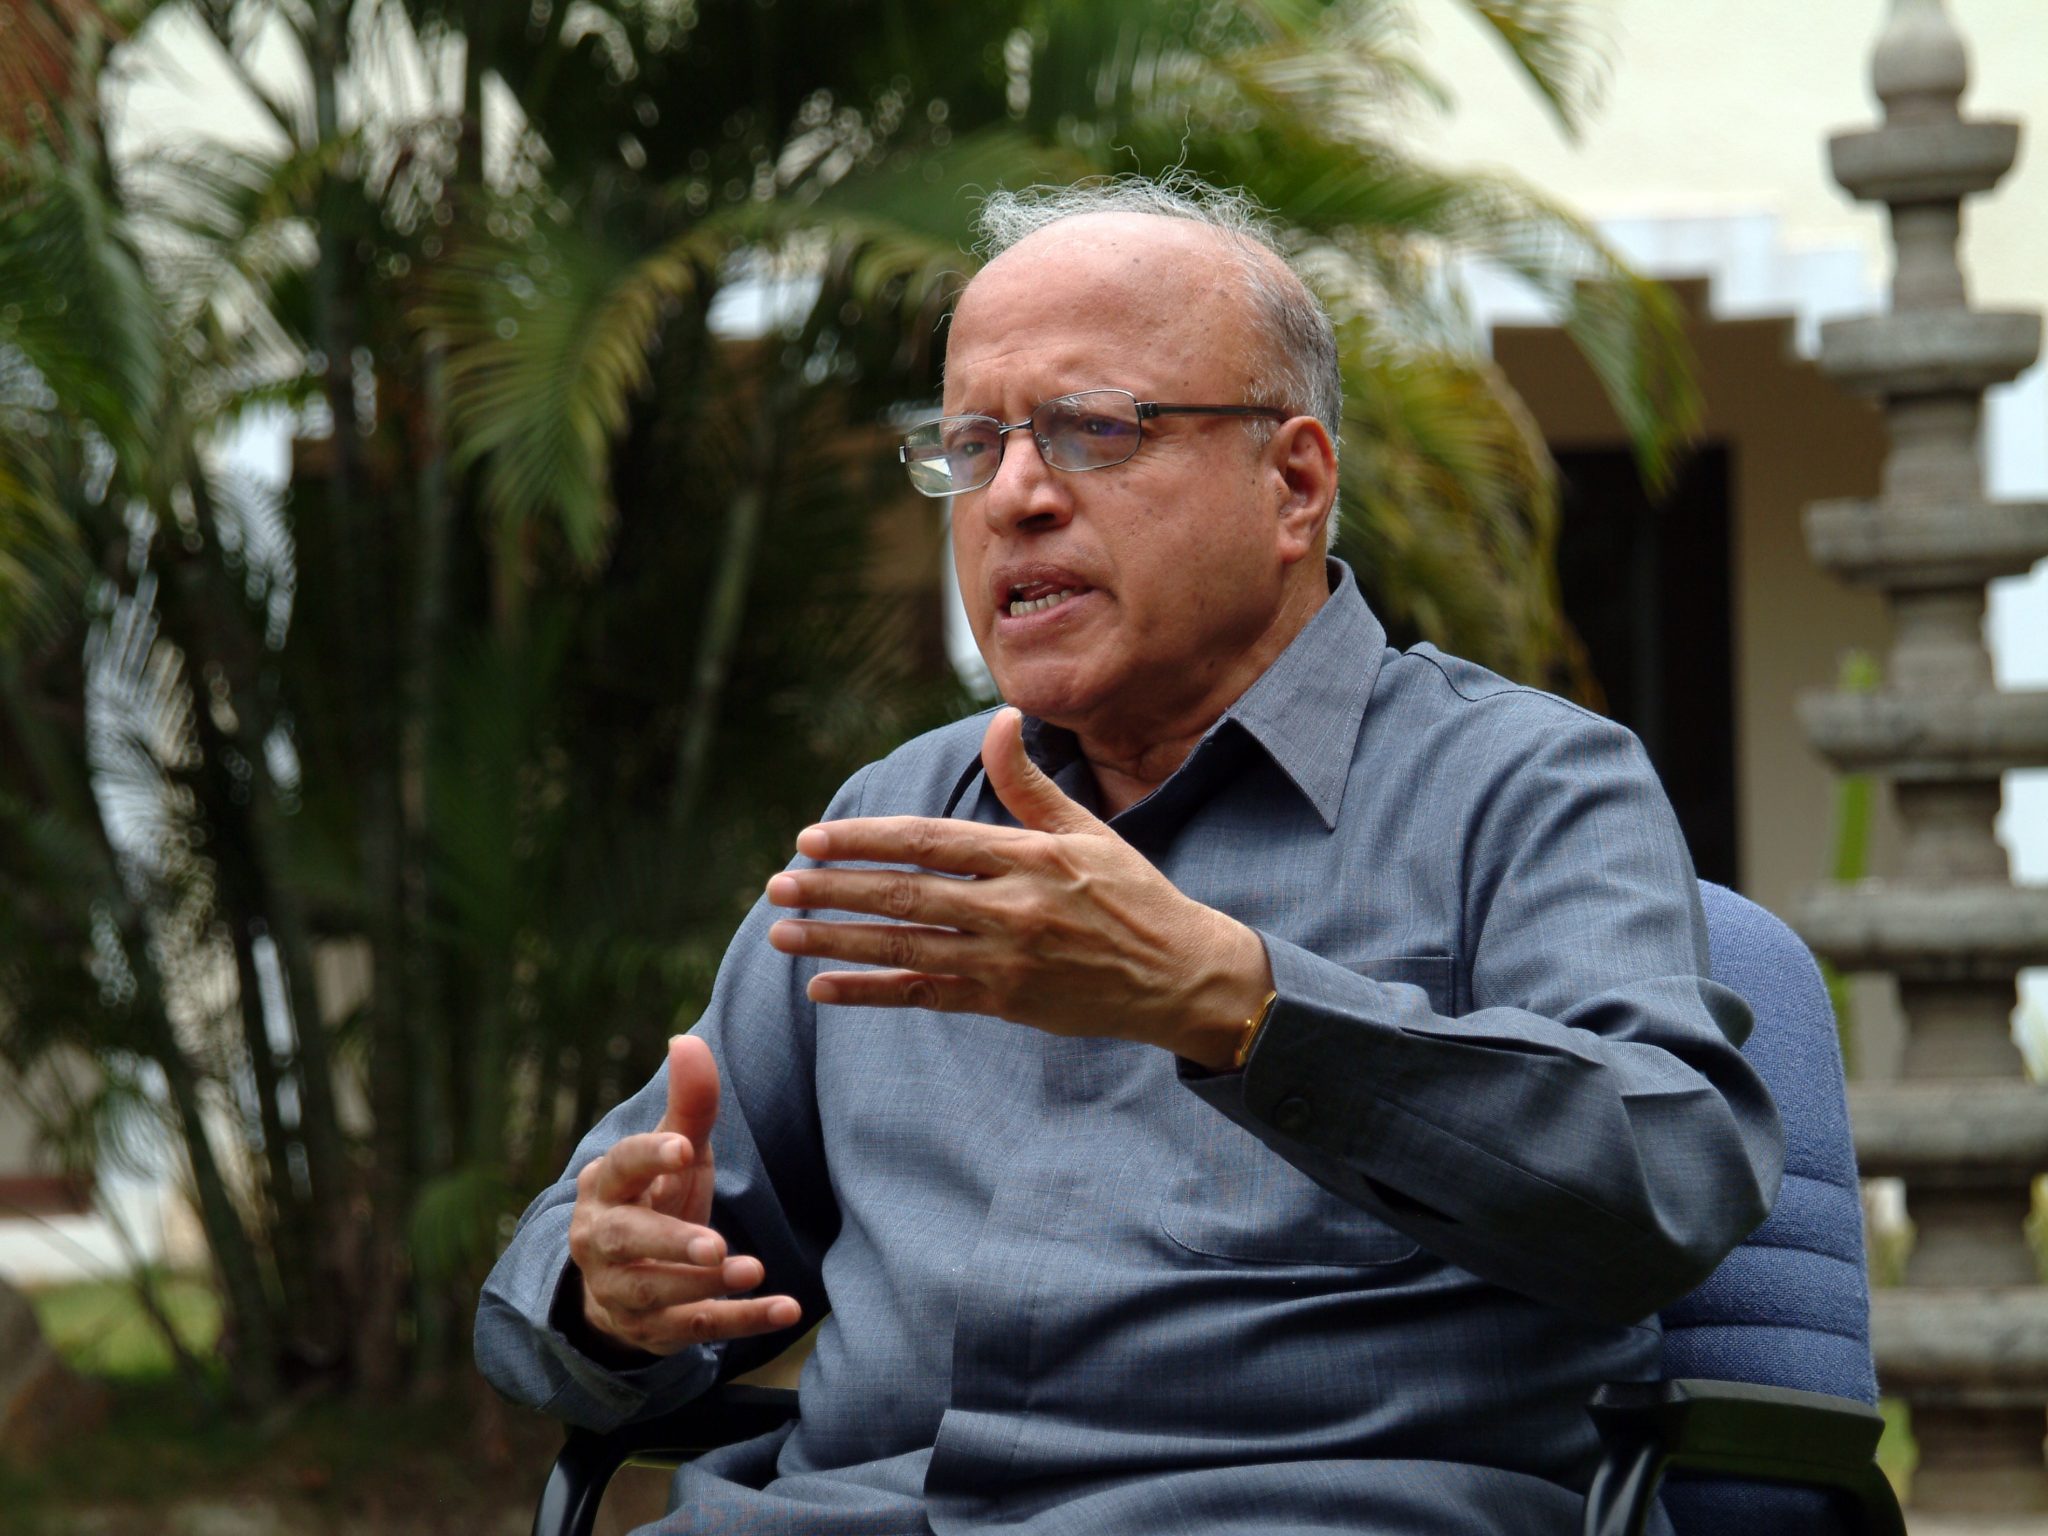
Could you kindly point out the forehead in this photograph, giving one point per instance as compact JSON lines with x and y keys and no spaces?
{"x":1141,"y":300}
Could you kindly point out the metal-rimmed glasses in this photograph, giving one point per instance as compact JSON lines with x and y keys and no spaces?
{"x":1091,"y":429}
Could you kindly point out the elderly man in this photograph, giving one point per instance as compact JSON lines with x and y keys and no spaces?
{"x":1261,"y":1082}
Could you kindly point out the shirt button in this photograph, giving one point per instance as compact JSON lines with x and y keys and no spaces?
{"x":1292,"y":1115}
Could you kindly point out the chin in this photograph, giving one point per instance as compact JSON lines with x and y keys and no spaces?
{"x":1060,"y":700}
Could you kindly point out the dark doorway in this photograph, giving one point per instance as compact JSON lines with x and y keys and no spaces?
{"x":1647,"y":587}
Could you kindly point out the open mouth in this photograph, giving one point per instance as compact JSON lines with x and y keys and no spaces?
{"x":1037,"y":596}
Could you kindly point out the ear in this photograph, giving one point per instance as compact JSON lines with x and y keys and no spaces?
{"x":1303,"y":466}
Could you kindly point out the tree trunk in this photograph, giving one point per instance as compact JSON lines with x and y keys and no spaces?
{"x":250,"y":1324}
{"x":315,"y":1241}
{"x":353,"y":551}
{"x":720,"y":631}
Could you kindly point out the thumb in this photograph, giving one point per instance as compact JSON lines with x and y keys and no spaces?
{"x":1022,"y":786}
{"x":692,"y":1093}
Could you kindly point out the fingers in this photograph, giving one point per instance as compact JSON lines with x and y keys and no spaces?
{"x":899,"y":946}
{"x":628,"y":1234}
{"x":665,"y":1331}
{"x":692,"y":1091}
{"x":658,"y":1283}
{"x":900,"y":989}
{"x":661,"y":1307}
{"x":901,"y":894}
{"x":624,"y":1290}
{"x":635,"y":1259}
{"x":630,"y":1168}
{"x":929,"y":842}
{"x":1019,"y":783}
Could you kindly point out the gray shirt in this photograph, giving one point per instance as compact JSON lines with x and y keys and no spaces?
{"x":1496,"y":1119}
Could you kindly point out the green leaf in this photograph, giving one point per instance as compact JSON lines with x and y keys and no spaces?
{"x":547,"y":346}
{"x":456,"y":1220}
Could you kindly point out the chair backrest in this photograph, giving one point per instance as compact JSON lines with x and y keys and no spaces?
{"x":1791,"y":1306}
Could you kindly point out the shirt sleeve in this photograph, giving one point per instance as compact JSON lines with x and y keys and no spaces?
{"x":1579,"y":1125}
{"x":772,"y":1199}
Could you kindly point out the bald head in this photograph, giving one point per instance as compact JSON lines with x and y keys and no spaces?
{"x":1167,"y":288}
{"x":1292,"y":349}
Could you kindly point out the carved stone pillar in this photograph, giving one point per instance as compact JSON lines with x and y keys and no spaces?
{"x":1965,"y":1341}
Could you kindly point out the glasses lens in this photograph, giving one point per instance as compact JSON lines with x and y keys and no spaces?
{"x":953,"y":454}
{"x":1091,"y":430}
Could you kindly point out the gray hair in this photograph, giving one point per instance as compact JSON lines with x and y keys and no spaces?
{"x":1299,"y":369}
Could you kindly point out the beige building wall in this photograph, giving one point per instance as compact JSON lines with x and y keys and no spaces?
{"x":1717,"y":106}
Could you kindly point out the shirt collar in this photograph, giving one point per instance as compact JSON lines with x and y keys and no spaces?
{"x":1304,"y":710}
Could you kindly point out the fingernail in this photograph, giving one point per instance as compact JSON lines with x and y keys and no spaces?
{"x":703,"y":1251}
{"x":786,"y":936}
{"x":783,"y":890}
{"x":813,"y":842}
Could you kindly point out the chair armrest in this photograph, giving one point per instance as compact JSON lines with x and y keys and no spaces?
{"x":1772,"y":1434}
{"x":568,"y":1504}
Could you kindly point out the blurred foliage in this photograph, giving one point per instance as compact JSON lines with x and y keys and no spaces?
{"x":1849,"y":860}
{"x":371,"y":835}
{"x":99,"y":1330}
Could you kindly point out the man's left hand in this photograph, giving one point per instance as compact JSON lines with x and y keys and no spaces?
{"x":1061,"y":924}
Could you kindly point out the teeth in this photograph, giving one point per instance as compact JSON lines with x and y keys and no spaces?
{"x":1020,"y":608}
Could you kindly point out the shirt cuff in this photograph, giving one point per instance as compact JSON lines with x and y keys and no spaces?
{"x":1286,"y":1083}
{"x":619,"y":1392}
{"x":550,"y":1371}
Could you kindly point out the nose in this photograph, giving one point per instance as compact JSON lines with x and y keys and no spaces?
{"x":1026,"y":496}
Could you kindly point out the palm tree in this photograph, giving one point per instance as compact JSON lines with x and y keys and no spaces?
{"x":571,"y":612}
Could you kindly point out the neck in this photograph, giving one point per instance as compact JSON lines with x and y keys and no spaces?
{"x":1129,"y":764}
{"x":1122,"y":782}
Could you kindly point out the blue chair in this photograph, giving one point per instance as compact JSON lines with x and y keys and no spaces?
{"x":1768,"y":1377}
{"x":1766,"y":1416}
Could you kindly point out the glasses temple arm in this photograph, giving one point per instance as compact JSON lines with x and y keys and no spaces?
{"x":1147,"y":409}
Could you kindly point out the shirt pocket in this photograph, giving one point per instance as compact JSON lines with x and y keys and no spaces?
{"x":1237,"y":1199}
{"x":1233,"y":1197}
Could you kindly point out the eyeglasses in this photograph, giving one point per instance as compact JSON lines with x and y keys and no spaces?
{"x":1089,"y":430}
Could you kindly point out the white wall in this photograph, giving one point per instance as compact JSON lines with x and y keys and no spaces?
{"x":1726,"y":106}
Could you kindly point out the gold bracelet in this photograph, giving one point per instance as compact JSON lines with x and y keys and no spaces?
{"x":1252,"y":1026}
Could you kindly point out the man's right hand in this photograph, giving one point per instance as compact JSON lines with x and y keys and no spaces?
{"x":655,"y":1276}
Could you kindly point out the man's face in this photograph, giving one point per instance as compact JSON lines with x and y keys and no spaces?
{"x":1175,"y":559}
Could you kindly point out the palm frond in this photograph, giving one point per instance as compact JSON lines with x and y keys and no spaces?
{"x":1449,"y":507}
{"x":255,"y":538}
{"x":547,"y":348}
{"x":1559,"y":47}
{"x":880,"y":239}
{"x":456,"y":1220}
{"x":79,"y":308}
{"x":1382,"y":233}
{"x":43,"y":568}
{"x":139,"y":735}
